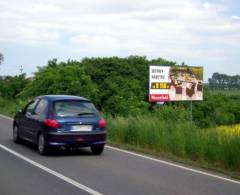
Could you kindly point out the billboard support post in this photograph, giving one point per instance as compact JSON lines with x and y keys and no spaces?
{"x":191,"y":112}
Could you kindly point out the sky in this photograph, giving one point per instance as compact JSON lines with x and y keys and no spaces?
{"x":196,"y":32}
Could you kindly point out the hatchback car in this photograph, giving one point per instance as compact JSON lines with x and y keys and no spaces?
{"x":60,"y":121}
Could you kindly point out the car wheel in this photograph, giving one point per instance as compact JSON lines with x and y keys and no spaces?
{"x":42,"y":148}
{"x":15,"y":134}
{"x":97,"y":149}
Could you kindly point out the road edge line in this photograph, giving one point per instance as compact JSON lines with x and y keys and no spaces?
{"x":6,"y":117}
{"x":175,"y":165}
{"x":52,"y":172}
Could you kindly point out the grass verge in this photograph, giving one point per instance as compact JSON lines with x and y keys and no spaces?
{"x":179,"y":141}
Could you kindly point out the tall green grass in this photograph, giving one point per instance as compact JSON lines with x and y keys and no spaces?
{"x":179,"y":138}
{"x":10,"y":107}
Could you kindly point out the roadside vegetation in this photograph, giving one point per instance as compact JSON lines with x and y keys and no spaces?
{"x":218,"y":147}
{"x":119,"y":88}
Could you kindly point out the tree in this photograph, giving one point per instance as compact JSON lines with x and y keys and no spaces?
{"x":223,"y":81}
{"x":11,"y":86}
{"x":61,"y":78}
{"x":123,"y":82}
{"x":1,"y":58}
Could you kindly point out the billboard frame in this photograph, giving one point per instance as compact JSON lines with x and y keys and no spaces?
{"x":175,"y":83}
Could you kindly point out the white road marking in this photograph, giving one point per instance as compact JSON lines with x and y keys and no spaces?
{"x":6,"y":117}
{"x":59,"y":175}
{"x":175,"y":165}
{"x":164,"y":162}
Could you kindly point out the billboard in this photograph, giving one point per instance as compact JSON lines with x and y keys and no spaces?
{"x":175,"y":83}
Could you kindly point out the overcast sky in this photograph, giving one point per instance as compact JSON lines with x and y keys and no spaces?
{"x":197,"y":32}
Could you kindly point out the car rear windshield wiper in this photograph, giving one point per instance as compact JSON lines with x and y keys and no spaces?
{"x":85,"y":113}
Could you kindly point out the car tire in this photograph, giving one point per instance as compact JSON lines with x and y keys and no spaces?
{"x":15,"y":134}
{"x":97,"y":149}
{"x":42,"y":146}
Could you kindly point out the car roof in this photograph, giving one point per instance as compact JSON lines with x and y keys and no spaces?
{"x":62,"y":97}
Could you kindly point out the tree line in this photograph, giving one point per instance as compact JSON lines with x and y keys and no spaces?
{"x":1,"y":58}
{"x":223,"y":81}
{"x":117,"y":86}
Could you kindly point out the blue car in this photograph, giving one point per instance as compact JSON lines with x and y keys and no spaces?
{"x":52,"y":121}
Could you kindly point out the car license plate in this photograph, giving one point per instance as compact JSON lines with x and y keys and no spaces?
{"x":81,"y":128}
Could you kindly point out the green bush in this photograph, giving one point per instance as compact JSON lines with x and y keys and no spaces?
{"x":61,"y":78}
{"x":119,"y":87}
{"x":8,"y":107}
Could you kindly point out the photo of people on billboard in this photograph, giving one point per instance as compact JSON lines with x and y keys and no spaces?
{"x":177,"y":83}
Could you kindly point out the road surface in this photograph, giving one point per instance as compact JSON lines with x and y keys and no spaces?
{"x":23,"y":171}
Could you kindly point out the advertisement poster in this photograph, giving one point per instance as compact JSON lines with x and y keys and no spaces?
{"x":175,"y":83}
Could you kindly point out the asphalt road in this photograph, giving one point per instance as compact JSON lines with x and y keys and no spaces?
{"x":23,"y":171}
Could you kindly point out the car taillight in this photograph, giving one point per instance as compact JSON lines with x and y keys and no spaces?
{"x":51,"y":123}
{"x":102,"y":123}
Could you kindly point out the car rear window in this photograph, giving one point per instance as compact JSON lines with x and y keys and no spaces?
{"x":73,"y":108}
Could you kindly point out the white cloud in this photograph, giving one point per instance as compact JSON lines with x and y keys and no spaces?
{"x":207,"y":5}
{"x":173,"y":29}
{"x":236,"y":17}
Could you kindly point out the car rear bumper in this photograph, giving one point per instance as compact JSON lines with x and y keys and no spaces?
{"x":76,"y":138}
